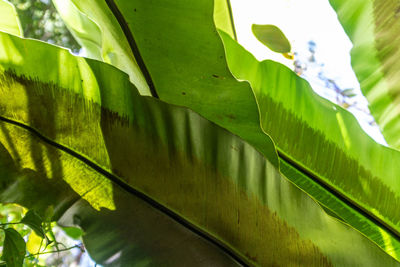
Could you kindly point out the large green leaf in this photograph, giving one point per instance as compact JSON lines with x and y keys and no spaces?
{"x":128,"y":228}
{"x":323,"y":140}
{"x":9,"y":21}
{"x":334,"y":136}
{"x":373,"y":28}
{"x":223,"y":17}
{"x":85,"y":31}
{"x":103,"y":39}
{"x":140,"y":165}
{"x":201,"y":79}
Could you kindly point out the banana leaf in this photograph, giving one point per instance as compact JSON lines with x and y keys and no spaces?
{"x":373,"y":28}
{"x":202,"y":86}
{"x":150,"y":182}
{"x":87,"y":116}
{"x":349,"y":161}
{"x":103,"y":39}
{"x":335,"y":153}
{"x":9,"y":21}
{"x":223,"y":17}
{"x":84,"y":30}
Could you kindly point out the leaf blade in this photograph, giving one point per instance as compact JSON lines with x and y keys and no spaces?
{"x":336,"y":136}
{"x":147,"y":145}
{"x":105,"y":38}
{"x":13,"y":248}
{"x":9,"y":21}
{"x":272,"y":37}
{"x":34,"y":221}
{"x":373,"y":32}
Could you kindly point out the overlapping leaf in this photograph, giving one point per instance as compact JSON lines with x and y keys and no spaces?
{"x":349,"y":161}
{"x":223,"y":17}
{"x":153,"y":146}
{"x":85,"y":31}
{"x":93,"y":133}
{"x":9,"y":21}
{"x":373,"y":28}
{"x":188,"y":68}
{"x":334,"y":150}
{"x":324,"y":140}
{"x":103,"y":39}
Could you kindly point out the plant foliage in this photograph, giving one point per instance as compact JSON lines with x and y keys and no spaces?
{"x":175,"y":146}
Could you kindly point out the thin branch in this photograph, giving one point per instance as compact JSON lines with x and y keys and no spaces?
{"x":5,"y":224}
{"x":55,"y":251}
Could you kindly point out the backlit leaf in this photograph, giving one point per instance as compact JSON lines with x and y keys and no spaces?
{"x":33,"y":220}
{"x":35,"y":243}
{"x":373,"y":27}
{"x":13,"y":248}
{"x":272,"y":37}
{"x":9,"y":21}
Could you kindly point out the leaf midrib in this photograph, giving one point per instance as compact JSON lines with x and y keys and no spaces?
{"x":132,"y":44}
{"x":153,"y":203}
{"x":281,"y":154}
{"x":332,"y":190}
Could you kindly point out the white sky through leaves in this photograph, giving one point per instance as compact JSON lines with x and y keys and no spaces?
{"x":302,"y":21}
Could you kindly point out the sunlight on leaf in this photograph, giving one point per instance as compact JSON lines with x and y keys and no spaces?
{"x":35,"y":243}
{"x":272,"y":37}
{"x":9,"y":21}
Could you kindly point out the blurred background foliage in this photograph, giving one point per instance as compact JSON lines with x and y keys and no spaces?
{"x":40,"y":20}
{"x":61,"y":247}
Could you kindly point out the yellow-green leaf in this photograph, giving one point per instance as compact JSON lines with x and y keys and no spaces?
{"x":35,"y":243}
{"x":9,"y":21}
{"x":272,"y":37}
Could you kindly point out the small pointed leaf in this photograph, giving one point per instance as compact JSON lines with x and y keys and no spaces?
{"x":73,"y":232}
{"x":272,"y":37}
{"x":348,"y":92}
{"x":33,"y":220}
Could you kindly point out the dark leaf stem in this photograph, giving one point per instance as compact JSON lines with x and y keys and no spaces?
{"x":132,"y":43}
{"x":115,"y":179}
{"x":228,"y":3}
{"x":348,"y":201}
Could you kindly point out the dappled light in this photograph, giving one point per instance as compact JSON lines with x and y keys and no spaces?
{"x":176,"y":147}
